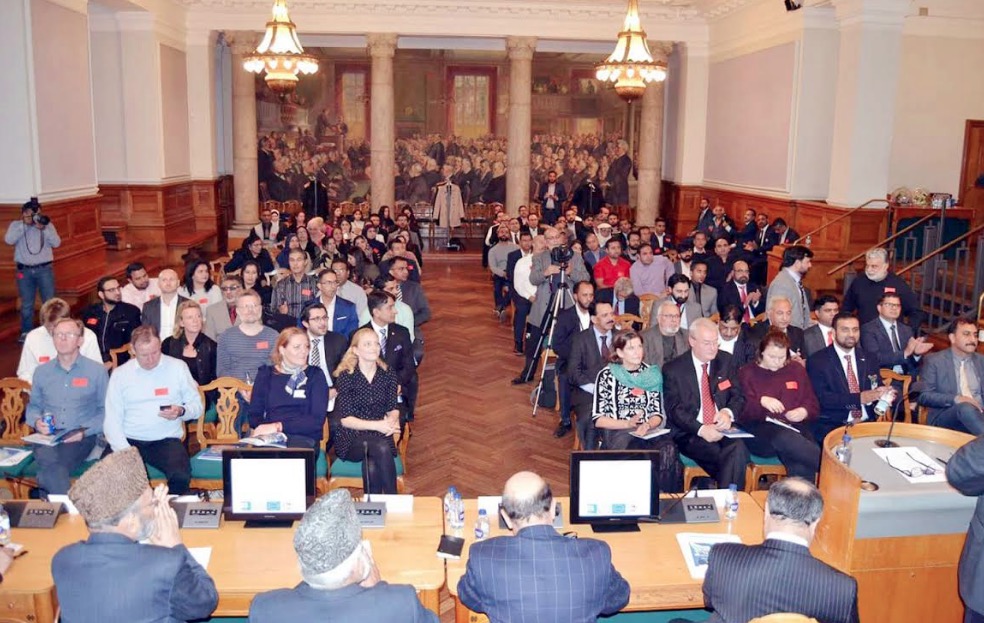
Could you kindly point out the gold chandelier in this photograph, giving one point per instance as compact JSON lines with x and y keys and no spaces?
{"x":631,"y":66}
{"x":280,"y":53}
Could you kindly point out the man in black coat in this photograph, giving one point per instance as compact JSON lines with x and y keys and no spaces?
{"x":569,"y":323}
{"x":111,"y":319}
{"x":590,"y":350}
{"x":396,"y":349}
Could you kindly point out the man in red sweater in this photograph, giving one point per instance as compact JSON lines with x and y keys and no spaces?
{"x":611,"y":268}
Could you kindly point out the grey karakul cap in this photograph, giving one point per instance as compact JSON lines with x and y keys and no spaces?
{"x":328,"y":533}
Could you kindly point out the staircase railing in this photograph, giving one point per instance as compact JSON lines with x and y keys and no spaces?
{"x":882,"y":243}
{"x":802,"y":239}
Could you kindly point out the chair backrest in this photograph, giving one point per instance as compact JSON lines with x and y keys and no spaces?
{"x":625,"y":321}
{"x":646,"y":308}
{"x":292,"y":207}
{"x":13,"y":401}
{"x":784,"y":617}
{"x":227,"y":407}
{"x":889,"y":377}
{"x":348,"y":208}
{"x":423,"y":210}
{"x":114,"y":354}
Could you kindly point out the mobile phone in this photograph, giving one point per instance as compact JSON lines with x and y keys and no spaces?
{"x":165,"y":407}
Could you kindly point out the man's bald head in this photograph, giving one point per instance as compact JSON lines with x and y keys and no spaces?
{"x":527,"y":500}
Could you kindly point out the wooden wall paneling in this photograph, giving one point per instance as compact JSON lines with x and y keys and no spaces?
{"x":887,"y":595}
{"x":206,"y":211}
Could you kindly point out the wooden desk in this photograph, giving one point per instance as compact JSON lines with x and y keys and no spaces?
{"x":759,"y":496}
{"x":244,"y":562}
{"x":650,"y":560}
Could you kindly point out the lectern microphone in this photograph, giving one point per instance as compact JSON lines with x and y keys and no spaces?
{"x":916,"y":388}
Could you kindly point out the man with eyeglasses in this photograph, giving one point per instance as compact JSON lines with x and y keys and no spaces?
{"x":327,"y":347}
{"x":248,"y":345}
{"x":664,"y":340}
{"x":342,"y":316}
{"x":221,"y":316}
{"x":111,"y":319}
{"x":72,"y":390}
{"x":891,"y":342}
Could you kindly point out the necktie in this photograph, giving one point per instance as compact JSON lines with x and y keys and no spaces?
{"x":895,"y":339}
{"x":804,"y":305}
{"x":707,"y":408}
{"x":852,"y":386}
{"x":605,"y":353}
{"x":399,"y":293}
{"x":830,"y":337}
{"x":964,"y":380}
{"x":747,"y":316}
{"x":315,"y":353}
{"x":382,"y":342}
{"x":232,"y":315}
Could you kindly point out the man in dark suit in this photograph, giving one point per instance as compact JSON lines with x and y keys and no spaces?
{"x":742,"y":293}
{"x":782,"y":233}
{"x":622,"y":299}
{"x":954,"y":381}
{"x":343,"y":317}
{"x":705,"y":217}
{"x":890,"y":342}
{"x":537,"y":574}
{"x":778,"y":316}
{"x":661,"y":240}
{"x":339,"y":575}
{"x":551,"y":196}
{"x":821,"y":335}
{"x":413,"y":295}
{"x":327,"y":347}
{"x":965,"y":473}
{"x":748,"y":228}
{"x":396,"y":349}
{"x":759,"y":247}
{"x":703,"y":399}
{"x":167,"y":281}
{"x":840,"y":375}
{"x":744,"y":582}
{"x":570,"y":322}
{"x":664,"y":340}
{"x":113,"y":576}
{"x":590,"y":350}
{"x":521,"y":304}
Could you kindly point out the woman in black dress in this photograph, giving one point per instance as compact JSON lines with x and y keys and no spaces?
{"x":190,"y":345}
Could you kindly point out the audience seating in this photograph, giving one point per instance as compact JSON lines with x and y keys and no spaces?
{"x":625,"y":321}
{"x":206,"y":474}
{"x":691,"y":470}
{"x":14,"y":394}
{"x":348,"y":474}
{"x":890,"y":377}
{"x":476,"y":217}
{"x":423,"y":213}
{"x":114,"y":354}
{"x":348,"y":208}
{"x":646,"y":302}
{"x":762,"y":466}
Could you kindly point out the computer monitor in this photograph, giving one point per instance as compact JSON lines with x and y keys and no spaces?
{"x":267,"y":487}
{"x":613,"y":490}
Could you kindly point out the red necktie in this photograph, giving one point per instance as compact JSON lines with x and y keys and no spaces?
{"x":852,"y":386}
{"x":747,"y":316}
{"x":707,"y":408}
{"x":830,"y":337}
{"x":232,"y":315}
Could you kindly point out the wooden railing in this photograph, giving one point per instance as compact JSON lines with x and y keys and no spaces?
{"x":882,"y":243}
{"x":843,"y":216}
{"x":942,"y":249}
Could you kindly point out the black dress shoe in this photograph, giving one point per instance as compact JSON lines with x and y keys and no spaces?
{"x":562,"y":429}
{"x":520,"y":380}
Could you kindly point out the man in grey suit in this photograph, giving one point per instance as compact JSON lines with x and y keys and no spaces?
{"x":161,"y":312}
{"x":340,"y":580}
{"x":705,"y":296}
{"x":680,"y":295}
{"x":412,"y":294}
{"x":796,"y":261}
{"x":954,"y":379}
{"x":965,"y":473}
{"x":890,"y":342}
{"x":664,"y":340}
{"x":821,"y":335}
{"x":222,"y":315}
{"x":744,"y":582}
{"x":113,"y":576}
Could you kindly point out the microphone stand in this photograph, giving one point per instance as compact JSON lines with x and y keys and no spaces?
{"x":887,"y":441}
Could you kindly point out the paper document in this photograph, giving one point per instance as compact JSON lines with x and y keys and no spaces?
{"x":912,"y":464}
{"x":13,"y":456}
{"x":781,"y":423}
{"x":201,"y":555}
{"x":696,"y":549}
{"x":736,"y":433}
{"x":653,"y":434}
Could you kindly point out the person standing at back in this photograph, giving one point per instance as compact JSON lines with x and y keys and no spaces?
{"x":33,"y":238}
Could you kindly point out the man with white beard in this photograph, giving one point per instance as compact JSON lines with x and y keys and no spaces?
{"x":664,"y":340}
{"x":867,"y":289}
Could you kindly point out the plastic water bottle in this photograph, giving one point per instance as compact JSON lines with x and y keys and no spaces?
{"x":809,"y":240}
{"x":884,"y":403}
{"x":458,"y":514}
{"x":843,"y":450}
{"x":482,"y":527}
{"x":731,"y":502}
{"x":448,"y":505}
{"x":4,"y":526}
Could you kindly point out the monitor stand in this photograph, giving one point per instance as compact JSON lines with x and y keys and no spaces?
{"x":267,"y":523}
{"x":628,"y":526}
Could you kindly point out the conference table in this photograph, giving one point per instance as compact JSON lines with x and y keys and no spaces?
{"x":650,"y":560}
{"x":243,"y":561}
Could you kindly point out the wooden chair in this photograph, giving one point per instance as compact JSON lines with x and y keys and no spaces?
{"x":890,"y":377}
{"x":762,"y":466}
{"x":272,"y":205}
{"x":784,"y":617}
{"x":691,"y":470}
{"x":646,"y":302}
{"x":348,"y":208}
{"x":114,"y":355}
{"x":476,"y":215}
{"x":922,"y":415}
{"x":205,"y":473}
{"x":13,"y":402}
{"x":292,"y":207}
{"x":215,"y":268}
{"x":348,"y":474}
{"x":715,"y":318}
{"x":423,"y":212}
{"x":625,"y":321}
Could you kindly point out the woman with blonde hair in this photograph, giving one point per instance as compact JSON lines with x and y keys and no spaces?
{"x":290,"y":396}
{"x":367,"y":413}
{"x":190,"y":345}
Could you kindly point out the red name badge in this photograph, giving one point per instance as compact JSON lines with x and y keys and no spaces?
{"x":203,"y":301}
{"x":889,"y":289}
{"x":44,"y":359}
{"x":725,"y":384}
{"x":262,"y":345}
{"x":306,"y":292}
{"x":160,"y":391}
{"x":792,"y":385}
{"x":92,"y":322}
{"x":82,"y":382}
{"x":637,"y":391}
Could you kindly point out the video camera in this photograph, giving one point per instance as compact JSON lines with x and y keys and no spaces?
{"x":35,"y":207}
{"x":561,"y":254}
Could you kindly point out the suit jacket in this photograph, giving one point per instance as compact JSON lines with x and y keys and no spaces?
{"x":346,"y":318}
{"x":539,"y":575}
{"x":544,"y":284}
{"x":565,"y":328}
{"x":939,"y":373}
{"x":559,"y":190}
{"x":607,"y":295}
{"x":413,"y":296}
{"x":729,"y":295}
{"x":708,"y":299}
{"x":965,"y":472}
{"x":511,"y":260}
{"x":217,"y":319}
{"x":744,"y":582}
{"x":750,"y":338}
{"x":112,"y":578}
{"x":585,"y":362}
{"x":152,"y":312}
{"x":784,"y":285}
{"x":690,"y":310}
{"x":813,"y":340}
{"x":335,"y":346}
{"x":877,"y":343}
{"x":830,"y":385}
{"x":399,"y":353}
{"x":382,"y":602}
{"x":592,"y":257}
{"x":682,"y":391}
{"x":705,"y":220}
{"x":652,"y":343}
{"x":668,"y":243}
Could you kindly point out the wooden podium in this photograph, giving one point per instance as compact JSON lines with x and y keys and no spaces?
{"x":907,"y":578}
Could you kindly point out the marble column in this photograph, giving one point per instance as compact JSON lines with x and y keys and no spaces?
{"x":244,"y":136}
{"x":651,"y":149}
{"x":382,"y":46}
{"x":520,"y":52}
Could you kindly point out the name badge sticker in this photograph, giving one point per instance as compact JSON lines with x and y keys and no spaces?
{"x":160,"y":391}
{"x":725,"y":384}
{"x":80,"y":382}
{"x":262,"y":345}
{"x":44,"y":359}
{"x":792,"y":385}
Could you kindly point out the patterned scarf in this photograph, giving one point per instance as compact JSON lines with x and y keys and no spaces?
{"x":648,"y":378}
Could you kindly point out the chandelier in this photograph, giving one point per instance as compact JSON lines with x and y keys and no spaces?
{"x":280,"y":53}
{"x":631,"y":66}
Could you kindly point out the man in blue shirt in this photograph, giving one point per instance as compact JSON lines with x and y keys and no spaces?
{"x":33,"y":237}
{"x":147,"y":402}
{"x":72,"y":389}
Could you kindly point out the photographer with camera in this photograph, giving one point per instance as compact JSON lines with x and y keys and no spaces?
{"x":33,"y":238}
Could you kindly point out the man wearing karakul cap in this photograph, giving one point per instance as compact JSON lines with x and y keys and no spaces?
{"x":341,"y":582}
{"x":113,"y":577}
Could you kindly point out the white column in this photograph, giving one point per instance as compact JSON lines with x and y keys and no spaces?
{"x":520,"y":52}
{"x":869,"y":57}
{"x":650,"y":155}
{"x":19,"y":174}
{"x":200,"y":56}
{"x":143,"y":126}
{"x":382,"y":47}
{"x":692,"y":113}
{"x":245,"y":180}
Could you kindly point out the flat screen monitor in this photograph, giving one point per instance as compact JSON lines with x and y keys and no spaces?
{"x":267,"y":487}
{"x":613,"y":490}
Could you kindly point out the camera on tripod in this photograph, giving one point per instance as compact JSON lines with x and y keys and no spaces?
{"x":35,"y":207}
{"x":561,"y":254}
